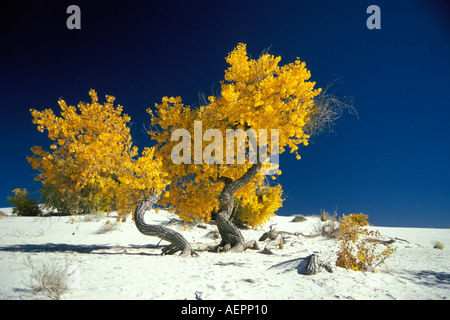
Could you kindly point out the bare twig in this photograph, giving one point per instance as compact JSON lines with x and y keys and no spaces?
{"x":327,"y":109}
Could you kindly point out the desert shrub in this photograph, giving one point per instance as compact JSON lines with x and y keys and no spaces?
{"x":23,"y":204}
{"x":299,"y":218}
{"x":328,"y":229}
{"x":49,"y":279}
{"x":325,"y":216}
{"x":107,"y":228}
{"x":438,"y":245}
{"x":359,"y":248}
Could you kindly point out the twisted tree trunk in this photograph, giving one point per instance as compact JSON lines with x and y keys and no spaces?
{"x":232,"y":239}
{"x":178,"y":242}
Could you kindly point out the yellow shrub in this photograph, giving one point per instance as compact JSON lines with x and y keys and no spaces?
{"x":359,"y":248}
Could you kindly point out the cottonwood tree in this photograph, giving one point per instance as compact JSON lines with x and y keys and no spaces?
{"x":93,"y":165}
{"x":256,"y":95}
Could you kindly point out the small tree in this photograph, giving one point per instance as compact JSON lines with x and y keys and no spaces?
{"x":23,"y":204}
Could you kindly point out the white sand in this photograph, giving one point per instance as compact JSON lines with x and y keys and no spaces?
{"x":124,"y":264}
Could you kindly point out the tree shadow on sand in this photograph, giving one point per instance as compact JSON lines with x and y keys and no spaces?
{"x":429,"y":278}
{"x":80,"y":248}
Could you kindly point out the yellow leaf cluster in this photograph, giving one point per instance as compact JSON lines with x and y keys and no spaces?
{"x":92,"y":162}
{"x":263,"y":94}
{"x":257,"y":209}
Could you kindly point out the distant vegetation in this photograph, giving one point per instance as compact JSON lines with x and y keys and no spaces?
{"x":23,"y":204}
{"x":438,"y":245}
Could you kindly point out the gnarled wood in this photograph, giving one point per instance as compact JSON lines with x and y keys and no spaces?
{"x":274,"y":237}
{"x":232,"y":239}
{"x":309,"y":265}
{"x":178,"y":242}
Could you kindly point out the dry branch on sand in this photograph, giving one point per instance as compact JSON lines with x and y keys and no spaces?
{"x":309,"y":265}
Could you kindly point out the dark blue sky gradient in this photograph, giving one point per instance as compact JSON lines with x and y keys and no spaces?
{"x":392,"y":163}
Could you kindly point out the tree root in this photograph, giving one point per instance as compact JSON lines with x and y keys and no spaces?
{"x":185,"y":251}
{"x":236,"y":248}
{"x":177,"y":241}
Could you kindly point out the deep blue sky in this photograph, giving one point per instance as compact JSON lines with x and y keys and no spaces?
{"x":392,"y":163}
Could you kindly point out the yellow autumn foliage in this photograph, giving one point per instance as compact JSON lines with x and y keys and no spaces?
{"x":255,"y":93}
{"x":359,"y":248}
{"x":256,"y":209}
{"x":92,"y":163}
